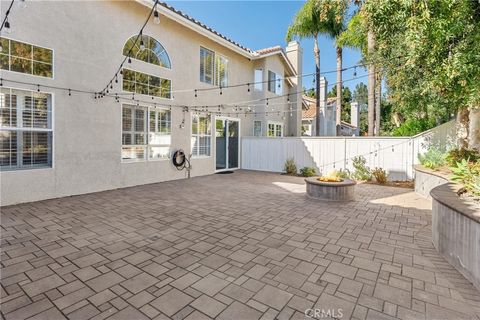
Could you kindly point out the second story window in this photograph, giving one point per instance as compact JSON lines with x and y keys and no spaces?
{"x":142,"y":83}
{"x":275,"y":83}
{"x":26,"y":58}
{"x":258,"y":79}
{"x":213,"y":68}
{"x":147,"y":49}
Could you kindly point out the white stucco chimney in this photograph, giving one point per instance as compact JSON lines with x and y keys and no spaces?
{"x":295,"y":56}
{"x":355,"y":114}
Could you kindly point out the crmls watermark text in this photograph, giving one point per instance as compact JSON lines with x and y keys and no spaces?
{"x":324,"y":313}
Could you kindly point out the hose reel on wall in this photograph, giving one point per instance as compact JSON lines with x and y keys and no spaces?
{"x":181,"y":161}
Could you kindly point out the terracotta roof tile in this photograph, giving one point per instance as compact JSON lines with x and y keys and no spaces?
{"x":269,"y":50}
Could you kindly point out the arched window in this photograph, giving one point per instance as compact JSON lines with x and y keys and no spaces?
{"x":153,"y":53}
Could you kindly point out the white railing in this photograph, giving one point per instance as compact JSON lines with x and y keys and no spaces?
{"x":396,"y":155}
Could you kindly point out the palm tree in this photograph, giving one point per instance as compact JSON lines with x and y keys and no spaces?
{"x":371,"y":84}
{"x":336,"y":26}
{"x":308,"y":23}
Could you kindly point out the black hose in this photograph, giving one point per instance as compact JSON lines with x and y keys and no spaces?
{"x":179,"y":159}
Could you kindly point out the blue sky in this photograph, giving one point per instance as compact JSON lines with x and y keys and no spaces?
{"x":260,"y":24}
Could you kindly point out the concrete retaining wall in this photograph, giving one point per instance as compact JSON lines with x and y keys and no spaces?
{"x":456,"y":231}
{"x":426,"y":180}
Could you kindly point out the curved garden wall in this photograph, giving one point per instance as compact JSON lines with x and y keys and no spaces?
{"x":456,"y":230}
{"x":426,"y":180}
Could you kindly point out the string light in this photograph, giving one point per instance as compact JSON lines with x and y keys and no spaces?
{"x":5,"y":22}
{"x":142,"y":45}
{"x":22,"y":4}
{"x":156,"y":16}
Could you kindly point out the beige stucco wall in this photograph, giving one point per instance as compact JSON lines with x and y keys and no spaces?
{"x":87,"y":38}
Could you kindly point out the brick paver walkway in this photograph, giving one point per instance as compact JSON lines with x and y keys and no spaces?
{"x":240,"y":246}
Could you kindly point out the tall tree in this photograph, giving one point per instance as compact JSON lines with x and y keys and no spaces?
{"x":371,"y":83}
{"x":429,"y":53}
{"x":309,"y":24}
{"x":314,"y":18}
{"x":335,"y":14}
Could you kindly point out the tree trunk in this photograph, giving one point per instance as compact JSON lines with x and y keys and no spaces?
{"x":474,"y":129}
{"x":339,"y":90}
{"x":378,"y":101}
{"x":371,"y":84}
{"x":462,"y":128}
{"x":316,"y":51}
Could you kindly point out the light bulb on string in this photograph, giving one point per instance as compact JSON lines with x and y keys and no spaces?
{"x":7,"y":27}
{"x":156,"y":16}
{"x":22,"y":4}
{"x":355,"y":72}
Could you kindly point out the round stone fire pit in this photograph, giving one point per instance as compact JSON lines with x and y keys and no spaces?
{"x":332,"y":191}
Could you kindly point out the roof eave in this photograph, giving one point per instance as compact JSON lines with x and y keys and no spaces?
{"x":291,"y":69}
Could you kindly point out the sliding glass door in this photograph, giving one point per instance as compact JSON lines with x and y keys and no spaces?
{"x":227,"y":143}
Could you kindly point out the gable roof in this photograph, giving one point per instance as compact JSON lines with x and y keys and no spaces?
{"x":195,"y":25}
{"x":308,"y":106}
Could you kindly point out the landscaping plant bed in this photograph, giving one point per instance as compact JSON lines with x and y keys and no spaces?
{"x":396,"y":184}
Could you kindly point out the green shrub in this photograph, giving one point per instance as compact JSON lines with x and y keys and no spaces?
{"x":361,"y":171}
{"x":380,"y":175}
{"x":344,"y":173}
{"x":457,"y":155}
{"x":433,"y":159}
{"x":308,"y":172}
{"x":290,"y":166}
{"x":468,"y":174}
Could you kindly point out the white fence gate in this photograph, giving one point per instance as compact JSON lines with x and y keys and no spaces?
{"x":396,"y":155}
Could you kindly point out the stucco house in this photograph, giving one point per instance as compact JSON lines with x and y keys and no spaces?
{"x":327,"y":115}
{"x":56,"y":142}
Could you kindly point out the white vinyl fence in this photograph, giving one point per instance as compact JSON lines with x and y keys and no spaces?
{"x":396,"y":155}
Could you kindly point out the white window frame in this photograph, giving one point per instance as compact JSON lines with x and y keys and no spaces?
{"x":198,"y":135}
{"x":30,"y":74}
{"x":276,"y":125}
{"x":147,"y":145}
{"x":278,"y":83}
{"x":215,"y":74}
{"x":21,"y":129}
{"x":147,"y":74}
{"x":261,"y":128}
{"x":258,"y":79}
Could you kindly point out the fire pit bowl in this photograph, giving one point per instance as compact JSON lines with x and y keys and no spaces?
{"x":331,"y":191}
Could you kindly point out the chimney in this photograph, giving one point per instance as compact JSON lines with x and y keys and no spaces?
{"x":355,"y":114}
{"x":295,"y":55}
{"x":323,"y":107}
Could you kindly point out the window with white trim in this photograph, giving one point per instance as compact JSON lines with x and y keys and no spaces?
{"x":257,"y":128}
{"x":146,"y":133}
{"x":213,"y":68}
{"x":258,"y":79}
{"x":275,"y":83}
{"x":25,"y":129}
{"x":201,"y":135}
{"x":152,"y":52}
{"x":275,"y":129}
{"x":26,"y":58}
{"x":142,"y":83}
